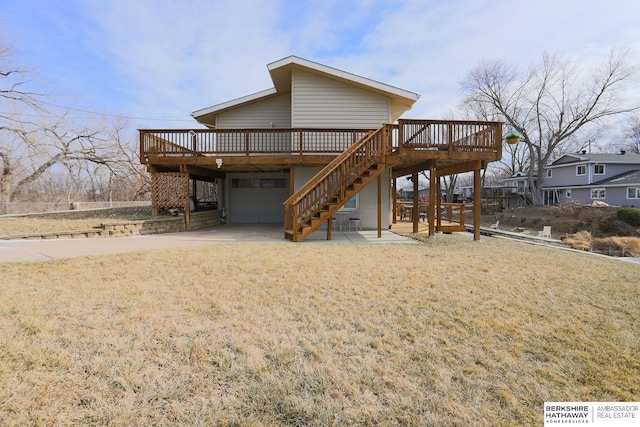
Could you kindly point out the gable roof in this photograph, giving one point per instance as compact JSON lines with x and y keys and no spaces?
{"x":627,"y":158}
{"x":281,"y":70}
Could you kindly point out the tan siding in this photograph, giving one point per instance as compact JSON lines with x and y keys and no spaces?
{"x":259,"y":115}
{"x":324,"y":103}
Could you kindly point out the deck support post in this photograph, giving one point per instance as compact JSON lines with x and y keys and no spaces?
{"x":433,"y":183}
{"x":154,"y":208}
{"x":379,"y":206}
{"x":477,"y":202}
{"x":415,"y":214}
{"x":187,"y":207}
{"x":438,"y":206}
{"x":394,"y":218}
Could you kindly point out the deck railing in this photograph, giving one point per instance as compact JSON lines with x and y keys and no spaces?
{"x":239,"y":142}
{"x":453,"y":213}
{"x":450,"y":135}
{"x":416,"y":135}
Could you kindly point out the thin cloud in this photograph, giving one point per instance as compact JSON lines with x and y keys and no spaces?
{"x":165,"y":58}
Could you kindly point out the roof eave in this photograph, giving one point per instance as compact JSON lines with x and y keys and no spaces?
{"x":280,"y":72}
{"x":218,"y":108}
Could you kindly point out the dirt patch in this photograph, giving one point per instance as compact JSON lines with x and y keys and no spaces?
{"x":564,"y":220}
{"x":129,"y":213}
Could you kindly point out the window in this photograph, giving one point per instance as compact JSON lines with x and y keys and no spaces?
{"x":633,"y":192}
{"x":598,"y":169}
{"x":351,"y":205}
{"x":548,"y":173}
{"x":245,"y":183}
{"x":273,"y":183}
{"x":259,"y":183}
{"x":598,"y":193}
{"x":568,"y":194}
{"x":581,"y":170}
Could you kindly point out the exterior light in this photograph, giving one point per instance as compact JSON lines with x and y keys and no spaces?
{"x":219,"y":163}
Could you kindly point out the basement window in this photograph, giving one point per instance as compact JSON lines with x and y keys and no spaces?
{"x":599,"y":193}
{"x":633,"y":192}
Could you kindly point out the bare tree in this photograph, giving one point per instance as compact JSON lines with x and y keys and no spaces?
{"x":633,"y":144}
{"x":38,"y":139}
{"x":552,"y":105}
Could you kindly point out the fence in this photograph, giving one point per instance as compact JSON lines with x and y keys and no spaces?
{"x":18,"y":208}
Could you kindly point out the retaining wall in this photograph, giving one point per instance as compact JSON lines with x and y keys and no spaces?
{"x":199,"y":220}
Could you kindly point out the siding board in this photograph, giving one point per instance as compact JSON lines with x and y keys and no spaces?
{"x":260,"y":114}
{"x":324,"y":103}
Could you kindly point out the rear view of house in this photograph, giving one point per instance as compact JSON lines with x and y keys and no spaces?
{"x":319,"y":145}
{"x":585,"y":177}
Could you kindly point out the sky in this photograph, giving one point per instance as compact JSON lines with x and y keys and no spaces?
{"x":156,"y":61}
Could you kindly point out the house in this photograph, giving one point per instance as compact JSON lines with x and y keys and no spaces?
{"x":610,"y":178}
{"x":516,"y":190}
{"x":319,"y":143}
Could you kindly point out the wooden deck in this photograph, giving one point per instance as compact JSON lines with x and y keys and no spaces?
{"x":405,"y":228}
{"x":352,"y":159}
{"x":412,"y":146}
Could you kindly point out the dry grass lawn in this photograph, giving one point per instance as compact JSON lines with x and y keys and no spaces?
{"x":449,"y":332}
{"x":69,"y":220}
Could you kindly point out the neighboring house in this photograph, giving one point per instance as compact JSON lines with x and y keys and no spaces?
{"x":320,"y":142}
{"x":516,"y":190}
{"x":610,"y":178}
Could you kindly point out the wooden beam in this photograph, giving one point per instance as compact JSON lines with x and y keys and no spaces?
{"x":397,"y":172}
{"x":461,"y":168}
{"x":202,"y":174}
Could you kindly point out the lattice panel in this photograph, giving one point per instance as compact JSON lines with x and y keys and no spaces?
{"x":169,"y":189}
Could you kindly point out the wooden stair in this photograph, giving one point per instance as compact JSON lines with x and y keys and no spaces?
{"x":332,"y":206}
{"x":318,"y":201}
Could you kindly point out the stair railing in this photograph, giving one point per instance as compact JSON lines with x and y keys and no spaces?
{"x":330,"y":185}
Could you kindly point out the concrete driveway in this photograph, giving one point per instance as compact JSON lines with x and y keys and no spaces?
{"x":44,"y":250}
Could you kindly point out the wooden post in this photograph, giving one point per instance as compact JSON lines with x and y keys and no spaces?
{"x":416,"y":204}
{"x":154,"y":190}
{"x":187,"y":208}
{"x":400,"y":137}
{"x":194,"y":190}
{"x":477,"y":201}
{"x":379,"y":206}
{"x":432,"y":196}
{"x":395,"y":201}
{"x":221,"y":198}
{"x":438,"y":211}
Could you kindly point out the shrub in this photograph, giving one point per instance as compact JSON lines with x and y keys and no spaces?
{"x":629,"y":246}
{"x":629,"y":215}
{"x":572,"y":207}
{"x":581,"y":240}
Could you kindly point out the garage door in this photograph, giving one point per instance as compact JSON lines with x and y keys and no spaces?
{"x":257,"y":200}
